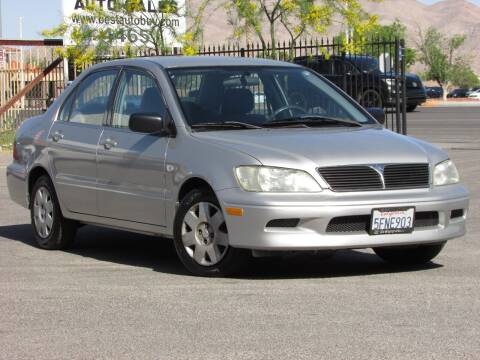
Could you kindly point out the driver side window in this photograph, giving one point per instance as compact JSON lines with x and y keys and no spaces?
{"x":138,"y":92}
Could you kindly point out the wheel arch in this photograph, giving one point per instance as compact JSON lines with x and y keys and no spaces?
{"x":34,"y":174}
{"x":192,"y":184}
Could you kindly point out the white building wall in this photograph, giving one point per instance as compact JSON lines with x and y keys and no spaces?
{"x":72,"y":10}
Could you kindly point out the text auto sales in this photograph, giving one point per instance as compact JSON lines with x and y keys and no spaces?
{"x":148,"y":5}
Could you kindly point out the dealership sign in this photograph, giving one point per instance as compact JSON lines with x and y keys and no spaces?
{"x":147,"y":16}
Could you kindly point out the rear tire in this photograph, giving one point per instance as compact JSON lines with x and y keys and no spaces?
{"x":409,"y":255}
{"x":51,"y":230}
{"x":201,"y":237}
{"x":370,"y":98}
{"x":411,"y":108}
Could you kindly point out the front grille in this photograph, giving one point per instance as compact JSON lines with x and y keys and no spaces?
{"x":346,"y":224}
{"x":352,"y":178}
{"x":283,"y":223}
{"x":357,"y":223}
{"x":381,"y":177}
{"x":406,"y":176}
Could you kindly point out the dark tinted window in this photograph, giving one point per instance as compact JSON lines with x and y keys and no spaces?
{"x":323,"y":66}
{"x":365,"y":63}
{"x":344,"y":67}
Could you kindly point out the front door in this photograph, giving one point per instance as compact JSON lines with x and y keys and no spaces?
{"x":73,"y":142}
{"x":131,"y":166}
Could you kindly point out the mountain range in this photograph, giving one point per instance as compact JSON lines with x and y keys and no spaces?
{"x":448,"y":16}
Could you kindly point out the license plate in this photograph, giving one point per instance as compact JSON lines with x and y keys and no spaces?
{"x":392,"y":221}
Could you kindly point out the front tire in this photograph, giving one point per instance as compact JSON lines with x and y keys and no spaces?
{"x":411,"y":108}
{"x":370,"y":98}
{"x":409,"y":255}
{"x":201,"y":237}
{"x":51,"y":230}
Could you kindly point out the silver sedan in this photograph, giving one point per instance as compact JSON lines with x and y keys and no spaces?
{"x":181,"y":147}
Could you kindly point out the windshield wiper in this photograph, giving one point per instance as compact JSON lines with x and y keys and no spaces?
{"x":311,"y":120}
{"x":226,"y":124}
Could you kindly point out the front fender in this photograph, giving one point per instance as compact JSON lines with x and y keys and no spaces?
{"x":189,"y":157}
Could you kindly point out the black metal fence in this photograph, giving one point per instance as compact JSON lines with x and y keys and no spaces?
{"x":372,"y":73}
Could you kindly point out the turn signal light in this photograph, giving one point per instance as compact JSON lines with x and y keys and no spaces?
{"x":235,"y":211}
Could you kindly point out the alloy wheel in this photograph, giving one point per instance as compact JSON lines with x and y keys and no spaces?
{"x":371,"y":98}
{"x":204,"y":234}
{"x":43,"y":212}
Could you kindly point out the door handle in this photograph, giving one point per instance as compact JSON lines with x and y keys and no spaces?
{"x":57,"y":136}
{"x":109,"y":144}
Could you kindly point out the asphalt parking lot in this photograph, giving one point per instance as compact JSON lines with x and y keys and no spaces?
{"x":117,"y":295}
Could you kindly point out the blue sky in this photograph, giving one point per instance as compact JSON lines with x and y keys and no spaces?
{"x":44,"y":14}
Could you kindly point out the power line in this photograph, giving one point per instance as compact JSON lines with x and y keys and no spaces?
{"x":1,"y":21}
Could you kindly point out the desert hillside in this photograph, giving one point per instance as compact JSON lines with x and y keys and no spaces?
{"x":448,"y":16}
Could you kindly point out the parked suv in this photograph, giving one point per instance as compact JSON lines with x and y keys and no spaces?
{"x":416,"y":94}
{"x":362,"y":79}
{"x":231,"y":157}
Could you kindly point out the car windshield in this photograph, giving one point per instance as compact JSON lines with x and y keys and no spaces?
{"x":244,"y":96}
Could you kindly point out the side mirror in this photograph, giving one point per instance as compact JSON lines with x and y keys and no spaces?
{"x":146,"y":123}
{"x":378,"y":114}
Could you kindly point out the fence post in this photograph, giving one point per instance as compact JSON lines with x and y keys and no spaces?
{"x":404,"y":88}
{"x":72,"y":73}
{"x":242,"y":52}
{"x":398,"y":77}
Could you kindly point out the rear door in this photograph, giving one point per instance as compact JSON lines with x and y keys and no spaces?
{"x":131,"y":166}
{"x":73,"y":141}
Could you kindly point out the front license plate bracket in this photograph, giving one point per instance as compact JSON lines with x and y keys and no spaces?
{"x":386,"y":221}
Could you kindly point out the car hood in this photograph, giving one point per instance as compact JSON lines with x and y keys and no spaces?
{"x":300,"y":148}
{"x":408,"y":76}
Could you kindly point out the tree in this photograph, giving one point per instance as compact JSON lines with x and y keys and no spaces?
{"x":192,"y":39}
{"x":395,"y":30}
{"x":91,"y":38}
{"x":298,"y":18}
{"x":464,"y":77}
{"x":440,"y":56}
{"x":131,"y":24}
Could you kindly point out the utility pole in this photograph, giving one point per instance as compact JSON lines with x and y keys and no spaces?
{"x":20,"y":21}
{"x":1,"y":21}
{"x":22,"y":65}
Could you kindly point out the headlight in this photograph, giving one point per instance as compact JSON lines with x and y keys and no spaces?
{"x":445,"y":173}
{"x":272,"y":179}
{"x":390,"y":83}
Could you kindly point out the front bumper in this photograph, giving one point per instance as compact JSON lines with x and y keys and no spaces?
{"x":414,"y":97}
{"x":316,"y":211}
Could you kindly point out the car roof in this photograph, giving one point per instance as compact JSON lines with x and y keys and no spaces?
{"x":170,"y":62}
{"x":349,"y":57}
